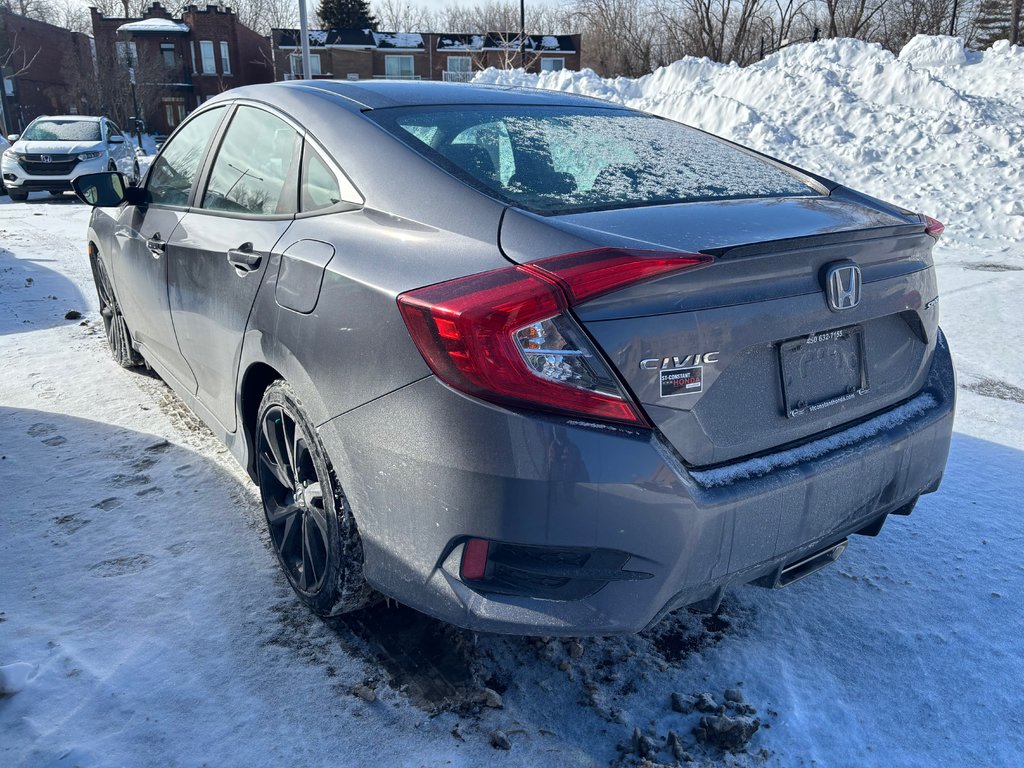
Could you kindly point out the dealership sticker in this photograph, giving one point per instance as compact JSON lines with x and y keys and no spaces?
{"x":682,"y":381}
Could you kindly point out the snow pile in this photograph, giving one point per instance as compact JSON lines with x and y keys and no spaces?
{"x":936,"y":129}
{"x":934,"y":51}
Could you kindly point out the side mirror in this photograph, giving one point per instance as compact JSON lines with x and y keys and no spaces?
{"x":106,"y":190}
{"x":115,"y":139}
{"x":13,"y":137}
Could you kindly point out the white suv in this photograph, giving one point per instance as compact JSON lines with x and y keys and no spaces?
{"x":54,"y":150}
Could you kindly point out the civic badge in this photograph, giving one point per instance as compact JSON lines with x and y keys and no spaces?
{"x":842,"y":285}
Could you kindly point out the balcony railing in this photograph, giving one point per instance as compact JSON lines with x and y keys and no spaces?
{"x":457,"y":77}
{"x":397,"y":77}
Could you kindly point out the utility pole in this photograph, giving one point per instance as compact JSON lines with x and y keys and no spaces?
{"x":135,"y":106}
{"x":522,"y":34}
{"x":304,"y":34}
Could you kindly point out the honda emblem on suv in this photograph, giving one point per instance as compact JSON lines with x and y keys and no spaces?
{"x":842,"y":286}
{"x":46,"y":158}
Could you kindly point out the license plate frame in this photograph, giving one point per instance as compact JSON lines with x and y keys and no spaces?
{"x":823,"y":370}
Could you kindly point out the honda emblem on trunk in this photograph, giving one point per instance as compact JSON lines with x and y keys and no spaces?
{"x":842,"y":285}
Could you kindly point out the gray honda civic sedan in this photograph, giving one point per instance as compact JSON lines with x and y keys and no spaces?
{"x":526,"y":361}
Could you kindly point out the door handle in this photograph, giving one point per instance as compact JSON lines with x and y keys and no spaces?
{"x":244,"y":258}
{"x":156,"y":246}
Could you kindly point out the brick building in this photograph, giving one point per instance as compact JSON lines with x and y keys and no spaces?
{"x":178,"y":63}
{"x":359,"y":54}
{"x":44,"y":71}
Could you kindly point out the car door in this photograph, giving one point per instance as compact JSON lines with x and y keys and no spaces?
{"x":139,"y":260}
{"x":218,"y":255}
{"x":120,"y":149}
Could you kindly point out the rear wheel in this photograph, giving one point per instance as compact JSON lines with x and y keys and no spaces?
{"x":311,"y":525}
{"x":119,"y":338}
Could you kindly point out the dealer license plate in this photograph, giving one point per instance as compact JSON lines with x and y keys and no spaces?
{"x":823,"y":370}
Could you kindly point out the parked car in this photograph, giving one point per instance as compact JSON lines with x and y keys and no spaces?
{"x":526,"y":361}
{"x":53,"y":150}
{"x":4,"y":146}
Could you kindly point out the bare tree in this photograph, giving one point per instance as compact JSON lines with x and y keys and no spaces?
{"x":403,"y":16}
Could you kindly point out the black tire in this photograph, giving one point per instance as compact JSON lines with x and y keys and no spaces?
{"x":112,"y":166}
{"x":56,"y":192}
{"x":311,"y":526}
{"x":18,"y":197}
{"x":135,"y":173}
{"x":119,"y":338}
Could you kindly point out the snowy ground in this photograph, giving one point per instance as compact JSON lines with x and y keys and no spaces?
{"x":144,"y":621}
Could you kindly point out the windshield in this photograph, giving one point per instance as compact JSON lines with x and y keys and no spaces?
{"x":62,"y":130}
{"x":565,"y":159}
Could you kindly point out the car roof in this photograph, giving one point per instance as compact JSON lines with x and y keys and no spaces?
{"x":76,"y":118}
{"x":382,"y":94}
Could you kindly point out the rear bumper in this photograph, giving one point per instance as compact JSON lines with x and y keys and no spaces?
{"x":425,"y":467}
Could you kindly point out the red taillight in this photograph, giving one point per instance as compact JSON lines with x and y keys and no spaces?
{"x":589,"y":274}
{"x":506,"y":336}
{"x":474,"y":559}
{"x":933,"y":227}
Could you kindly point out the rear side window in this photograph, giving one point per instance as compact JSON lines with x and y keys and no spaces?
{"x":320,"y":188}
{"x":564,"y":159}
{"x":256,"y":168}
{"x":175,"y":168}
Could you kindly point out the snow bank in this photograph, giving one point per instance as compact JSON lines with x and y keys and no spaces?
{"x":936,"y":129}
{"x":934,"y":51}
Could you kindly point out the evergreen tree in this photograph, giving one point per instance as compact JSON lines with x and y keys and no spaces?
{"x":998,"y":20}
{"x":346,"y":14}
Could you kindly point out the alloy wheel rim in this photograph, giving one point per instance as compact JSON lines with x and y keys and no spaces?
{"x":293,"y":499}
{"x":109,"y":313}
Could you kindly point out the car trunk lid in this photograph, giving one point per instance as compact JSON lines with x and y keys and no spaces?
{"x":745,"y":356}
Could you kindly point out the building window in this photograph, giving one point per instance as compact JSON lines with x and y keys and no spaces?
{"x":192,"y":50}
{"x":295,"y":62}
{"x":127,"y":54}
{"x":167,"y":54}
{"x":225,"y":60}
{"x":460,"y":64}
{"x":206,"y":52}
{"x":174,"y":111}
{"x":399,"y":68}
{"x":552,"y":65}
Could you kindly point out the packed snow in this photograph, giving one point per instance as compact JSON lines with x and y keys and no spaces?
{"x":144,"y":620}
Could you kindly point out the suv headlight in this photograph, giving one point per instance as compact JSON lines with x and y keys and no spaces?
{"x":11,"y":155}
{"x":90,"y":155}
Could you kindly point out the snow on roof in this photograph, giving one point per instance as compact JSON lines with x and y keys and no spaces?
{"x":162,"y":26}
{"x":398,"y":39}
{"x":460,"y":43}
{"x":317,"y":36}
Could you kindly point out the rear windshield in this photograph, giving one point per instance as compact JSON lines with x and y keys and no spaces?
{"x":563,"y":160}
{"x":62,"y":130}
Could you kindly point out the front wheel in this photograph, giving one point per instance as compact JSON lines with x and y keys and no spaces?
{"x":18,"y":197}
{"x":311,"y":525}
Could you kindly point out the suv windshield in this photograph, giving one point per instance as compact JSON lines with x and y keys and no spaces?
{"x":565,"y":159}
{"x":62,"y":130}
